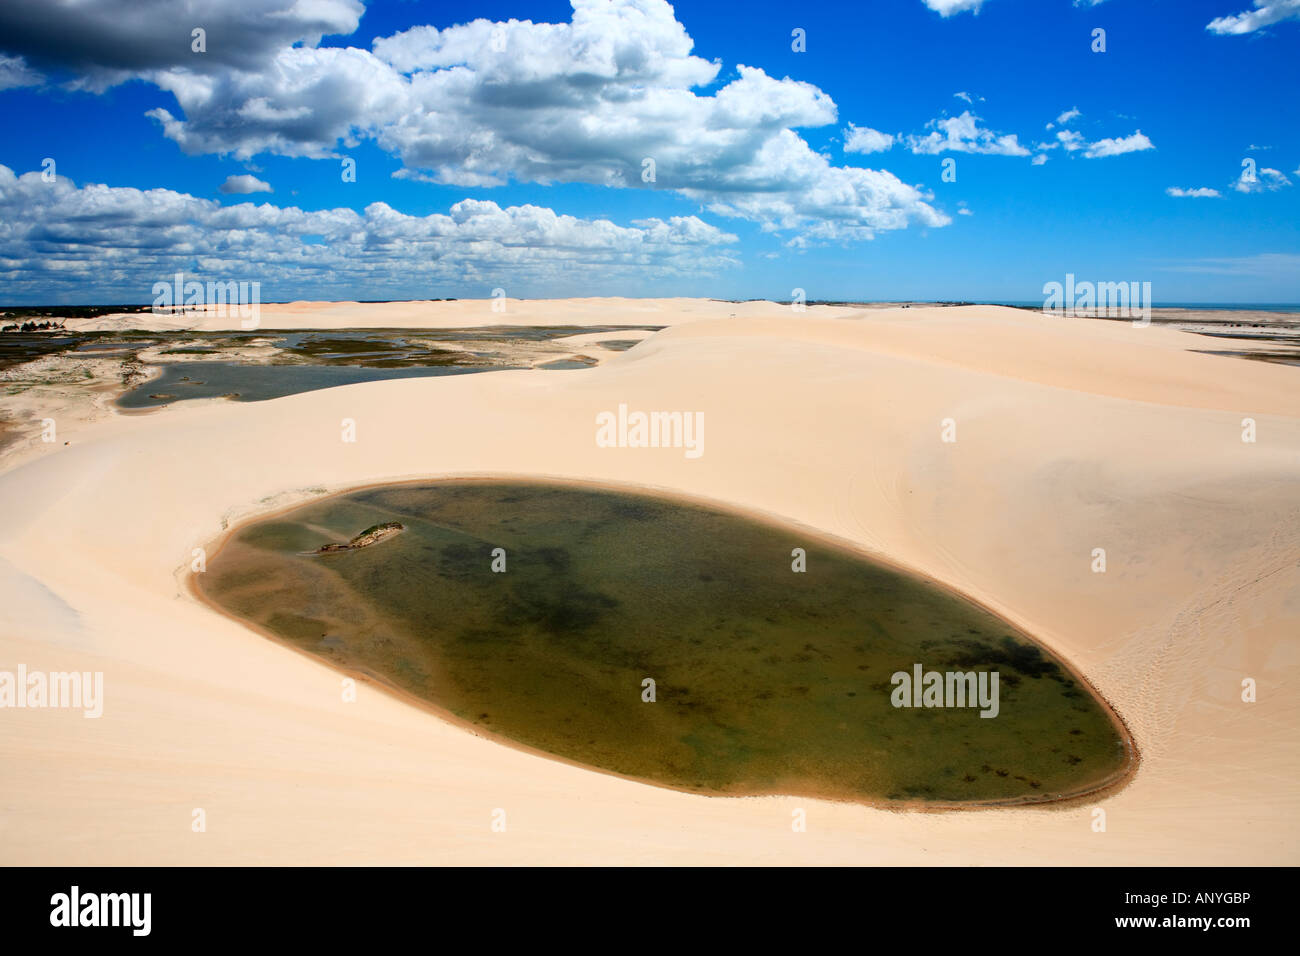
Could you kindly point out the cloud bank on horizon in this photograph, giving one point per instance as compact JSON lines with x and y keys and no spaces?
{"x":134,"y":236}
{"x":618,"y":98}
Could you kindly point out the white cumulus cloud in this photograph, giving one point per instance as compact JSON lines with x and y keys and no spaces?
{"x":483,"y":104}
{"x":1265,"y":13}
{"x":963,"y":134}
{"x":946,"y":8}
{"x":1070,"y":140}
{"x":863,"y":139}
{"x":1262,"y":180}
{"x":243,"y":185}
{"x":1065,"y":118}
{"x":1117,"y":147}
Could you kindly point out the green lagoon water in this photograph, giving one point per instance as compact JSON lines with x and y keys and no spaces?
{"x":245,"y":382}
{"x":307,"y":361}
{"x":766,"y":680}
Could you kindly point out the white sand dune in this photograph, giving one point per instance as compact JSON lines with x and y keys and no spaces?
{"x":448,"y":314}
{"x":1072,"y":435}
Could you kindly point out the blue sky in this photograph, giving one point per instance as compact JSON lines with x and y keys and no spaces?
{"x":755,"y":193}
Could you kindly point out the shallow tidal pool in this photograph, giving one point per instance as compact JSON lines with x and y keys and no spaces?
{"x":765,"y":680}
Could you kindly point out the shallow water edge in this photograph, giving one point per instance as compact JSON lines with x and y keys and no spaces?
{"x":774,"y":523}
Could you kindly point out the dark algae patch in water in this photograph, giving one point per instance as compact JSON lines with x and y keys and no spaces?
{"x":765,"y":680}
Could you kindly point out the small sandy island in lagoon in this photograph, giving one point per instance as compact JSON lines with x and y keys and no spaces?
{"x":372,"y":535}
{"x":1072,"y":435}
